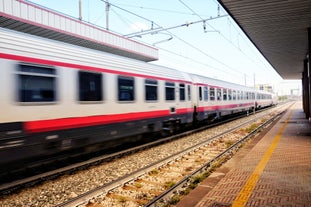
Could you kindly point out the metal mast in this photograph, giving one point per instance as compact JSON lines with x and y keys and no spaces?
{"x":107,"y":15}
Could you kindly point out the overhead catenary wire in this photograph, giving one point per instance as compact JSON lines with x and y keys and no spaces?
{"x":248,"y":45}
{"x":195,"y":13}
{"x":195,"y":61}
{"x":236,"y":46}
{"x":185,"y":42}
{"x":127,"y":11}
{"x":191,"y":9}
{"x":156,"y":9}
{"x":233,"y":25}
{"x":122,"y":19}
{"x":159,"y":28}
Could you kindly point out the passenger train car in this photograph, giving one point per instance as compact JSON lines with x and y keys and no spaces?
{"x":56,"y":96}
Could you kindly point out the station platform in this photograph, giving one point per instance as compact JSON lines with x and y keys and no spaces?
{"x":271,"y":170}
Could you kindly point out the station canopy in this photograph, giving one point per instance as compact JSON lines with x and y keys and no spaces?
{"x":27,"y":17}
{"x":278,"y":28}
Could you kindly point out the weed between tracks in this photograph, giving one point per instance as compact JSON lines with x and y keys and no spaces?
{"x":194,"y":182}
{"x":154,"y":172}
{"x":229,"y":143}
{"x":169,"y":184}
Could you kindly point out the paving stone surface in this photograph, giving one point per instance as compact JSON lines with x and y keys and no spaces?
{"x":285,"y":179}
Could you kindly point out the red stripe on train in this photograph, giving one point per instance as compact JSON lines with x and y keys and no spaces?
{"x":220,"y":107}
{"x":76,"y":122}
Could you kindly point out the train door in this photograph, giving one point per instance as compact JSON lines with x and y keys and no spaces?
{"x":181,"y":97}
{"x":188,"y":104}
{"x":194,"y":95}
{"x":200,"y":96}
{"x":170,"y":96}
{"x":201,"y":103}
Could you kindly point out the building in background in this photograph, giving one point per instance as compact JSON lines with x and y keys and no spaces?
{"x":264,"y":87}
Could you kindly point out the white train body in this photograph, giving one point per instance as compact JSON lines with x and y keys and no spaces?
{"x":56,"y":96}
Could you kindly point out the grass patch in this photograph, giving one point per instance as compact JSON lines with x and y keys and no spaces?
{"x":229,"y":143}
{"x":154,"y":172}
{"x":174,"y":200}
{"x":169,"y":184}
{"x":122,"y":199}
{"x":138,"y":185}
{"x":251,"y":128}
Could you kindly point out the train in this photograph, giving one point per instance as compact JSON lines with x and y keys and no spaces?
{"x":56,"y":97}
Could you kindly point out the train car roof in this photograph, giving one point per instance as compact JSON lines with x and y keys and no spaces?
{"x":199,"y":79}
{"x":31,"y":48}
{"x":28,"y":48}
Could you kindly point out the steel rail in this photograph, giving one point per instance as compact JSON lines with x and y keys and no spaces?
{"x":6,"y":188}
{"x":178,"y":186}
{"x":83,"y":199}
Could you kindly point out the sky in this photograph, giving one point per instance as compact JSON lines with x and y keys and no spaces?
{"x":203,"y":38}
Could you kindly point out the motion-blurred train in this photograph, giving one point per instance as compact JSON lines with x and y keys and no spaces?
{"x":56,"y":96}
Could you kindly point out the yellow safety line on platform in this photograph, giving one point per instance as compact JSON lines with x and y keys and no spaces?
{"x":246,"y":191}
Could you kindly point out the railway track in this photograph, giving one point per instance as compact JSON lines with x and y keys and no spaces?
{"x":35,"y":178}
{"x":6,"y":188}
{"x":135,"y":180}
{"x":164,"y":181}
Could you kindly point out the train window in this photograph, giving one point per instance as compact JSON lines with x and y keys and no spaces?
{"x":229,"y":94}
{"x":189,"y":93}
{"x":90,"y":86}
{"x":200,"y":93}
{"x":169,"y":91}
{"x":218,"y":94}
{"x":36,"y":83}
{"x":224,"y":95}
{"x":151,"y":90}
{"x":182,"y":91}
{"x":205,"y":92}
{"x":212,"y":94}
{"x":234,"y":95}
{"x":126,"y":88}
{"x":238,"y":95}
